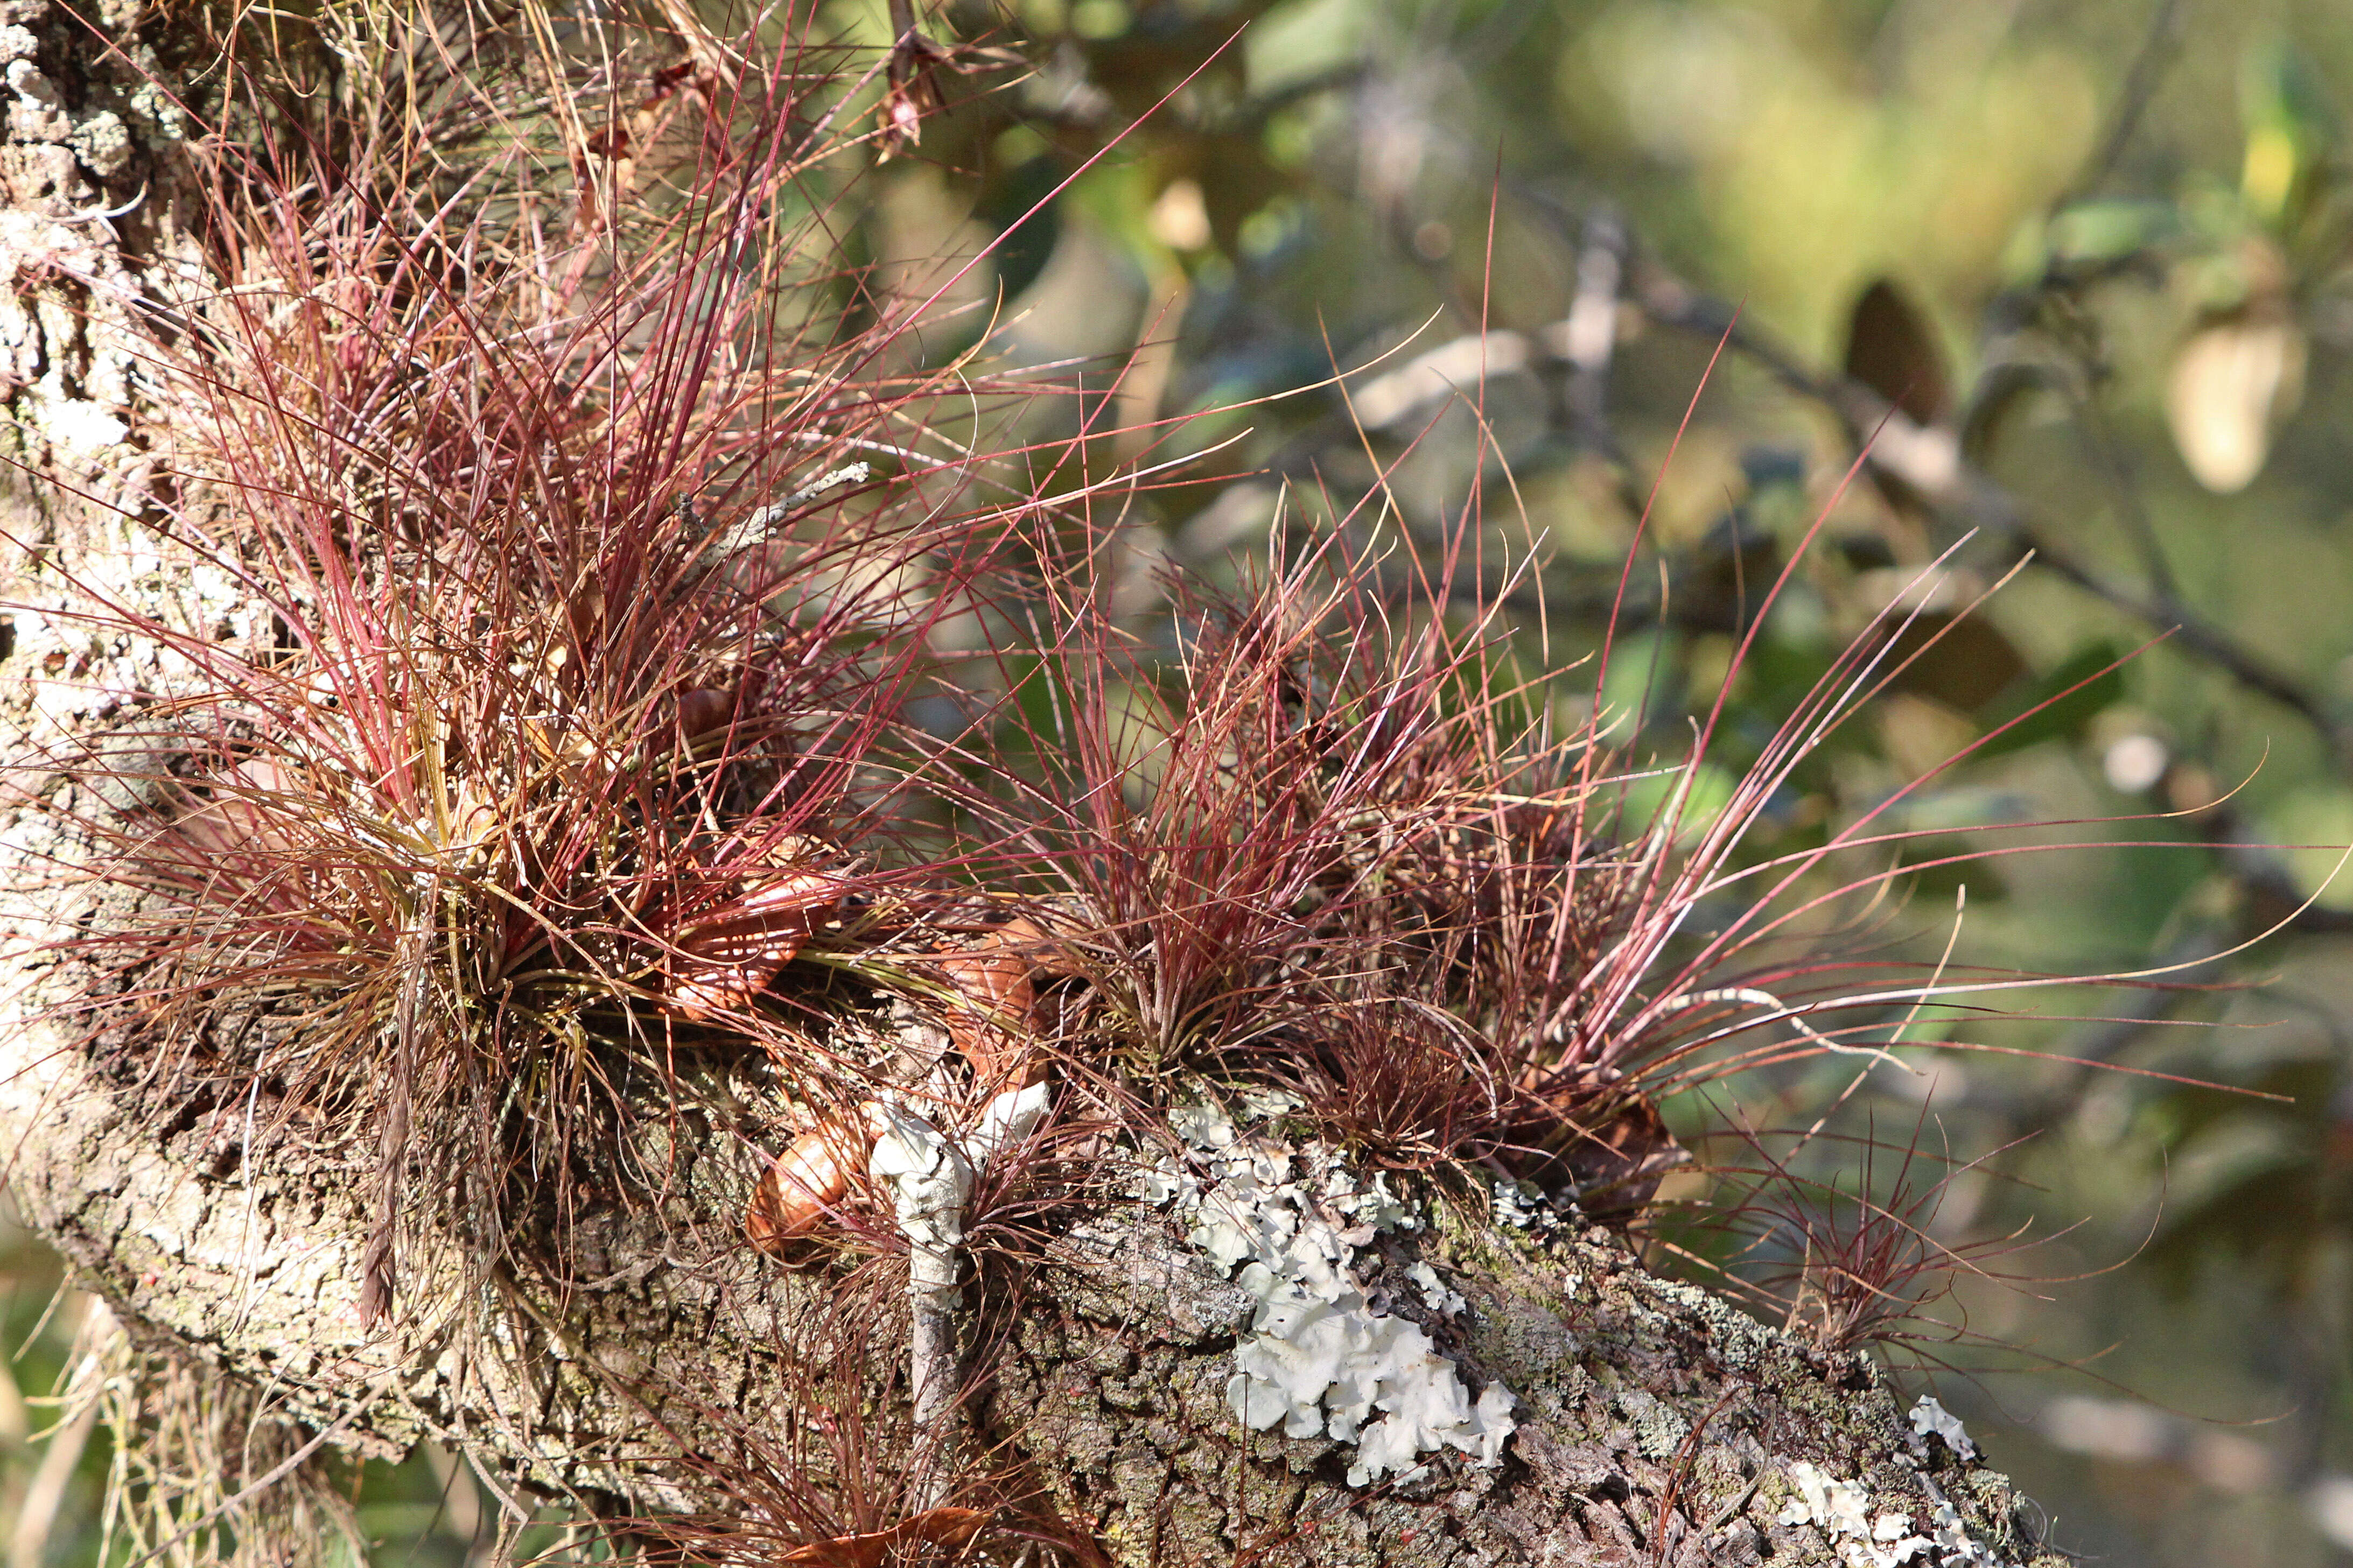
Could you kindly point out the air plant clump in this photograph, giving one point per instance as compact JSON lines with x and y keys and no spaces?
{"x":1858,"y":1258}
{"x":1327,"y":839}
{"x":562,"y":562}
{"x":558,"y":590}
{"x":1299,"y":846}
{"x":557,"y":602}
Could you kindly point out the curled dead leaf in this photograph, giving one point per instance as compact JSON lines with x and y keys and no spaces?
{"x":808,"y":1178}
{"x":993,"y":1021}
{"x":702,"y":709}
{"x":721,"y":965}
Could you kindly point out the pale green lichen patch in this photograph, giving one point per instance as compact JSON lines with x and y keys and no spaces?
{"x":1659,"y":1432}
{"x":1741,"y":1343}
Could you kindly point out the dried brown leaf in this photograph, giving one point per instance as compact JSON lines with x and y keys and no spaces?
{"x":994,"y":1022}
{"x":808,"y":1178}
{"x":950,"y":1529}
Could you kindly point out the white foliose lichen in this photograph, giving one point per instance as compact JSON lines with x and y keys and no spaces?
{"x":1842,"y":1510}
{"x":1445,"y":1302}
{"x":1930,"y":1417}
{"x":1954,"y":1547}
{"x":1318,"y":1360}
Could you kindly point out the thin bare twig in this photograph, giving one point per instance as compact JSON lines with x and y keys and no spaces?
{"x":2142,"y":80}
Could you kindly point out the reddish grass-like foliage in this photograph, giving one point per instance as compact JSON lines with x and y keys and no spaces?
{"x":566,"y":564}
{"x":1322,"y":833}
{"x":561,"y":718}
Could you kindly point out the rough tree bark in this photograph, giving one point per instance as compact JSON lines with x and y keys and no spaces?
{"x":1654,"y":1423}
{"x":1108,"y":1382}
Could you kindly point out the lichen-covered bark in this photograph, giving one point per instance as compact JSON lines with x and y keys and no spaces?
{"x":1124,"y":1383}
{"x":92,"y":212}
{"x":1655,"y":1425}
{"x":1109,"y":1383}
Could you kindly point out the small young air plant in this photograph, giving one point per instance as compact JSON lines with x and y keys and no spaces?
{"x":1857,"y":1257}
